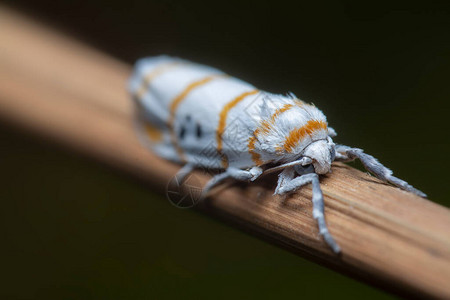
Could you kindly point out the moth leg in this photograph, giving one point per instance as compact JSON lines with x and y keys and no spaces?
{"x":317,"y":200}
{"x":346,"y":154}
{"x":283,"y":178}
{"x":332,"y":132}
{"x":234,"y":173}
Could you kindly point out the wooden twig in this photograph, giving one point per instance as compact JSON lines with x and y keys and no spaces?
{"x":76,"y":95}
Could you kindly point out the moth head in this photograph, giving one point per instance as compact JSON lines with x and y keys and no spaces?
{"x":322,"y":153}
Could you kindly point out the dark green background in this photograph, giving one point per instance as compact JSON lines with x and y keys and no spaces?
{"x":74,"y":229}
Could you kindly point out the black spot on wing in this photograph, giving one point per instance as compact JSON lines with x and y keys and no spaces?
{"x":188,"y":127}
{"x":182,"y":132}
{"x":198,"y":131}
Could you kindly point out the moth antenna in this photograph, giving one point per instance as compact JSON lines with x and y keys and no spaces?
{"x":303,"y":161}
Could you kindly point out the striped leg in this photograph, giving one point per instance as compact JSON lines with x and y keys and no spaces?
{"x":317,"y":200}
{"x":332,"y":132}
{"x":346,"y":154}
{"x":235,"y":173}
{"x":283,"y":179}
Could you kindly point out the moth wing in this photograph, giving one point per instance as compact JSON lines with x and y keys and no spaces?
{"x":151,"y":111}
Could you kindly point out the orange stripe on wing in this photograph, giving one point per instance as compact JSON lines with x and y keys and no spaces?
{"x":154,"y":133}
{"x":177,"y":101}
{"x":251,"y":149}
{"x":223,"y":122}
{"x":148,"y":78}
{"x":298,"y":134}
{"x":264,"y":128}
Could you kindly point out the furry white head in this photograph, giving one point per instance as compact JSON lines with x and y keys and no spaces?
{"x":322,"y":154}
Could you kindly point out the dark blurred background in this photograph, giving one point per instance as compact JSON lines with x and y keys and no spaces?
{"x":74,"y":229}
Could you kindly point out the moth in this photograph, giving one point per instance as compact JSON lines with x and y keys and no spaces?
{"x":200,"y":117}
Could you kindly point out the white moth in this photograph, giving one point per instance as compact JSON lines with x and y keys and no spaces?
{"x":200,"y":117}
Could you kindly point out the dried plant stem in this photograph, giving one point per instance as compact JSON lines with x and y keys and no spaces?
{"x":64,"y":90}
